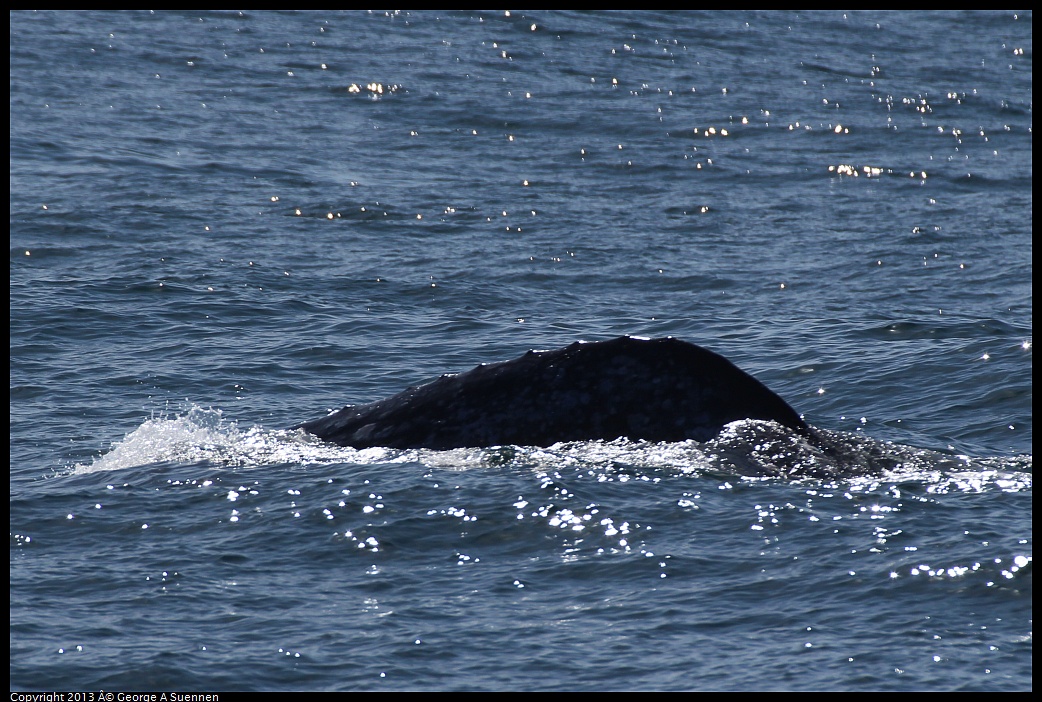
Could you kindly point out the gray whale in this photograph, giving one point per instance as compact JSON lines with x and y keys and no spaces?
{"x":643,"y":389}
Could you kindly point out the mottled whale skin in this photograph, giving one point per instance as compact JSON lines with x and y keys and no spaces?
{"x":651,"y":389}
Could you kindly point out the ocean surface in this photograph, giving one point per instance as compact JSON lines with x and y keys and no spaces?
{"x":225,"y":224}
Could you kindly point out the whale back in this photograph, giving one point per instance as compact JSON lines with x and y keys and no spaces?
{"x":652,"y":389}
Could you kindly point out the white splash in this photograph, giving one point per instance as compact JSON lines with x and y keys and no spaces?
{"x":203,"y":434}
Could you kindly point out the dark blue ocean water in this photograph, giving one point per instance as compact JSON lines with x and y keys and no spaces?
{"x":223,"y":224}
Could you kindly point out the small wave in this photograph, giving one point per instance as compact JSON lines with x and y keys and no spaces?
{"x":752,"y":449}
{"x":758,"y":448}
